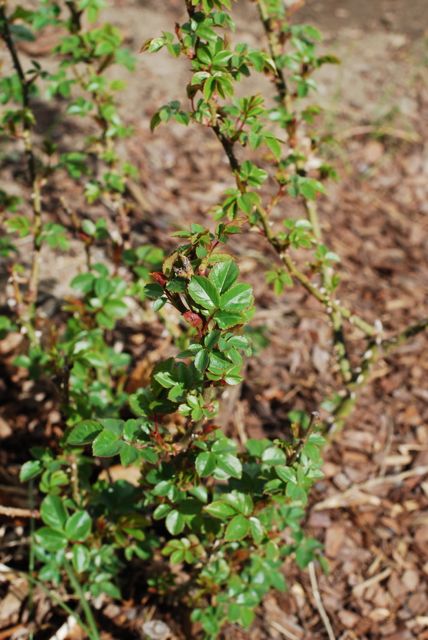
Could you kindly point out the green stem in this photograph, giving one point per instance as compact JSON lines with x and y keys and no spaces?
{"x":92,"y":625}
{"x":53,"y":596}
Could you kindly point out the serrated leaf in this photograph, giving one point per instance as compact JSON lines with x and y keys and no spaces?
{"x":128,"y":454}
{"x":237,"y":298}
{"x":242,"y":502}
{"x":106,"y":444}
{"x":84,"y":433}
{"x":165,"y":379}
{"x":255,"y":447}
{"x":225,"y":320}
{"x":223,"y":275}
{"x":204,"y":293}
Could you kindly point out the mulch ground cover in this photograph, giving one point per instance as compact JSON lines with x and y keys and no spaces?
{"x":371,"y":508}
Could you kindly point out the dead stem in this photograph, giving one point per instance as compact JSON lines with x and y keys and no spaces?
{"x":318,"y":601}
{"x":15,"y":512}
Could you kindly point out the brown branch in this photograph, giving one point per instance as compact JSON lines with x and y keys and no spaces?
{"x":75,"y":15}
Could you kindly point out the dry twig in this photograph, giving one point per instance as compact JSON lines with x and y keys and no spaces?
{"x":318,"y":601}
{"x":15,"y":512}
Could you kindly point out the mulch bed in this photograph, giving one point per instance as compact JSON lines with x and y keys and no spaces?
{"x":371,"y":508}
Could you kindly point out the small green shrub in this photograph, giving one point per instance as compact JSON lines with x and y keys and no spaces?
{"x":226,"y":514}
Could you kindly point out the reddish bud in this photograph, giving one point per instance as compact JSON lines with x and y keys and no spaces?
{"x":159,"y":278}
{"x":193,"y":319}
{"x":209,"y":428}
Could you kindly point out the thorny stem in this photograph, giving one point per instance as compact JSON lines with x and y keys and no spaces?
{"x":331,"y":305}
{"x":339,"y":341}
{"x":354,"y":381}
{"x":34,"y":179}
{"x":118,"y":203}
{"x":274,"y":50}
{"x":375,"y":350}
{"x":303,"y":439}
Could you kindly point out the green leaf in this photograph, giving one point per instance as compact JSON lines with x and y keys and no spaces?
{"x":20,"y":225}
{"x":205,"y":464}
{"x":204,"y":293}
{"x":225,"y":320}
{"x":238,"y":298}
{"x":30,"y":470}
{"x":84,"y":432}
{"x":242,"y":502}
{"x":165,"y":379}
{"x":220,"y":510}
{"x":223,"y":275}
{"x":200,"y":492}
{"x":273,"y":456}
{"x":287,"y":474}
{"x":53,"y":513}
{"x":161,"y":511}
{"x":78,"y":526}
{"x":237,"y":529}
{"x":115,"y":308}
{"x":21,"y":32}
{"x":106,"y":444}
{"x":80,"y":558}
{"x":277,"y":581}
{"x":83,"y":282}
{"x":306,"y":551}
{"x":256,"y":447}
{"x":230,"y":464}
{"x":50,"y":539}
{"x":257,"y":530}
{"x":201,"y":360}
{"x":175,"y":522}
{"x":128,"y":454}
